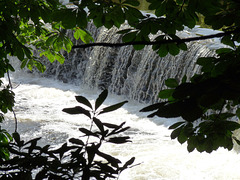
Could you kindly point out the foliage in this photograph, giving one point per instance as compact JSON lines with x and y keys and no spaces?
{"x":75,"y":158}
{"x":207,"y":102}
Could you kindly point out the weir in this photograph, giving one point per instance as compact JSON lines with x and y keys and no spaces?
{"x":138,"y":75}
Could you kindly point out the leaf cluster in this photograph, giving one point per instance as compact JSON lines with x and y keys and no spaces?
{"x":73,"y":159}
{"x":208,"y":103}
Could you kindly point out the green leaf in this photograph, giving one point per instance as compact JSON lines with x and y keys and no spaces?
{"x":59,"y":58}
{"x":82,"y":18}
{"x":153,"y":107}
{"x":101,"y":98}
{"x":163,"y":50}
{"x":129,"y":37}
{"x":51,"y":39}
{"x":124,"y":31}
{"x":171,"y":83}
{"x":69,"y":18}
{"x":24,"y":63}
{"x":238,"y":113}
{"x":20,"y":53}
{"x":58,"y":43}
{"x":84,"y":101}
{"x":175,"y":125}
{"x":191,"y":143}
{"x":113,"y":107}
{"x":184,"y":79}
{"x":84,"y":35}
{"x":77,"y":34}
{"x":176,"y":132}
{"x":27,"y":52}
{"x":223,"y":50}
{"x":166,"y":93}
{"x":98,"y":20}
{"x":228,"y":40}
{"x":182,"y":46}
{"x":173,"y":49}
{"x":39,"y":66}
{"x":182,"y":138}
{"x":67,"y":44}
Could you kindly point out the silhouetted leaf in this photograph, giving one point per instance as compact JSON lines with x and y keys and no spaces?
{"x":129,"y":37}
{"x":124,"y":31}
{"x":112,"y":107}
{"x":228,"y":40}
{"x":16,"y":137}
{"x":128,"y":163}
{"x":175,"y":125}
{"x":176,"y":132}
{"x":113,"y":161}
{"x":109,"y":125}
{"x":238,"y":113}
{"x":106,"y":168}
{"x":77,"y":110}
{"x":101,"y":98}
{"x":153,"y":107}
{"x":84,"y":101}
{"x":76,"y":141}
{"x":119,"y":140}
{"x":191,"y":144}
{"x":41,"y":174}
{"x":99,"y":124}
{"x":118,"y":130}
{"x":237,"y":141}
{"x":87,"y":132}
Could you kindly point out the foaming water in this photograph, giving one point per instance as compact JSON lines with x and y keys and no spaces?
{"x":138,"y":75}
{"x":39,"y":104}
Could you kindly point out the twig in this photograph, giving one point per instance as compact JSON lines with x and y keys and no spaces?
{"x":14,"y":114}
{"x":148,"y":43}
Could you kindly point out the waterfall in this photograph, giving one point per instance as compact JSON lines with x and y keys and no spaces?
{"x":138,"y":75}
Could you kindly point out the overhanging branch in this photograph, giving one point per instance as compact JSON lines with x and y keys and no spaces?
{"x":178,"y":41}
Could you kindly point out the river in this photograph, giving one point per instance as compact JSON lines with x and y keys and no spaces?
{"x":39,"y":104}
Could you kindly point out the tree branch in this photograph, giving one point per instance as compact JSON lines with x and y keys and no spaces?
{"x":178,"y":41}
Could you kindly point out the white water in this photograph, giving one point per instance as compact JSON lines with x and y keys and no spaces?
{"x":136,"y":75}
{"x":39,"y":102}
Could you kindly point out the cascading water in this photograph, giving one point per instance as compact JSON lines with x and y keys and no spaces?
{"x":136,"y":75}
{"x":139,"y":75}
